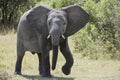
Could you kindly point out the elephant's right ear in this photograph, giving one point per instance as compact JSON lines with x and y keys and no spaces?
{"x":37,"y":17}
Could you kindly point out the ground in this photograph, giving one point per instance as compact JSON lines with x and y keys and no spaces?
{"x":83,"y":69}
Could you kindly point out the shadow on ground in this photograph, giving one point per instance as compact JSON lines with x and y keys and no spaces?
{"x":38,"y":77}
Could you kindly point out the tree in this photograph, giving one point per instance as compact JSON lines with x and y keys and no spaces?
{"x":10,"y":11}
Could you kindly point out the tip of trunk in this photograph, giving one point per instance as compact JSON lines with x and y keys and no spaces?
{"x":54,"y":58}
{"x":53,"y":67}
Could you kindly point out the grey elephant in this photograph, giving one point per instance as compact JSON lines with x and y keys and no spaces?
{"x":42,"y":29}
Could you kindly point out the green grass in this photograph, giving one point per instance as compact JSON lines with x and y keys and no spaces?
{"x":83,"y":69}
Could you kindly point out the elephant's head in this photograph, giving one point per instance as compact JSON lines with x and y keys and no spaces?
{"x":57,"y":25}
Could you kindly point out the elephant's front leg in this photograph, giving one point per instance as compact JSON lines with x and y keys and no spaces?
{"x":45,"y":60}
{"x":64,"y":48}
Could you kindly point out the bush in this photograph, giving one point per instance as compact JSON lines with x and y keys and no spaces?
{"x":100,"y":38}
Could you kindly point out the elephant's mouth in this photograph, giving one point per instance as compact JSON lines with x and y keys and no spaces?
{"x":55,"y":39}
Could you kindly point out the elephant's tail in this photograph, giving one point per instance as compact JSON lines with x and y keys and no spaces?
{"x":54,"y":57}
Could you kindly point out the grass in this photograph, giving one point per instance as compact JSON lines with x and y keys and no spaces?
{"x":83,"y":69}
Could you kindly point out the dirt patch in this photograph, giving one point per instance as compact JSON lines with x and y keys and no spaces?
{"x":3,"y":75}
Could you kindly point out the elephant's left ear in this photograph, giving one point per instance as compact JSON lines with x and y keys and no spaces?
{"x":77,"y":18}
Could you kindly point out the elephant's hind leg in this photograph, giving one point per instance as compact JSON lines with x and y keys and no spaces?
{"x":40,"y":63}
{"x":20,"y":55}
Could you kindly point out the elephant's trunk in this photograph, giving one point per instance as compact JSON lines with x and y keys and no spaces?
{"x":54,"y":58}
{"x":55,"y":42}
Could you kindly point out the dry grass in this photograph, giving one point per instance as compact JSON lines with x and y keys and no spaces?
{"x":83,"y":69}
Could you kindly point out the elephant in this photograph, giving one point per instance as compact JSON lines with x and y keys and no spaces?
{"x":42,"y":29}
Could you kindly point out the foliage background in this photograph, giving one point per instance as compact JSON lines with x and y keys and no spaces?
{"x":100,"y":38}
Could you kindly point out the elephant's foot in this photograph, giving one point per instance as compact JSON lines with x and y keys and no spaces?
{"x":46,"y":75}
{"x":66,"y":70}
{"x":17,"y":73}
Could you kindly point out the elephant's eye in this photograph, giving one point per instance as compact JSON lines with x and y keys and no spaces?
{"x":64,"y":24}
{"x":49,"y":23}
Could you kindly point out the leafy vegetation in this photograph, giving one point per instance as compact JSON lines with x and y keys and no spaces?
{"x":11,"y":10}
{"x":100,"y":38}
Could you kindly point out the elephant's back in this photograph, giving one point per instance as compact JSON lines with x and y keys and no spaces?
{"x":23,"y":23}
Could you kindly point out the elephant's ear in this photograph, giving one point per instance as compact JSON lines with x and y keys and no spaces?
{"x":77,"y":18}
{"x":37,"y":17}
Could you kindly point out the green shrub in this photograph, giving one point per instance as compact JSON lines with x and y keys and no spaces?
{"x":100,"y":37}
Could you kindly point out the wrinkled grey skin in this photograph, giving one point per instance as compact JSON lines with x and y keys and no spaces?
{"x":42,"y":29}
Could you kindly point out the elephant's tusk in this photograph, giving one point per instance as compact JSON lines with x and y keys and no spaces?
{"x":48,"y":36}
{"x":63,"y":36}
